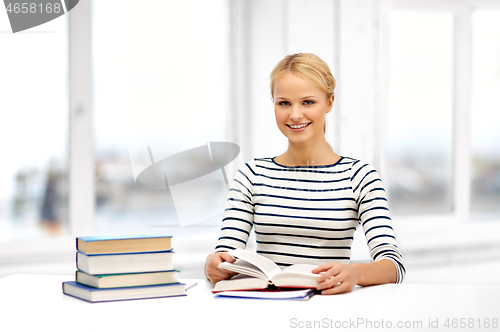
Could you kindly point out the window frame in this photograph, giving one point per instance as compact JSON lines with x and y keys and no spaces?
{"x":81,"y":205}
{"x":462,"y":73}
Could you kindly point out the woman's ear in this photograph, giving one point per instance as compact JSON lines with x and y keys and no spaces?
{"x":330,"y":103}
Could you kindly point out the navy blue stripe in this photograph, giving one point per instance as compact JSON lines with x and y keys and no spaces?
{"x":305,"y":227}
{"x":239,"y":171}
{"x":381,"y":226}
{"x":302,"y":217}
{"x":379,"y":236}
{"x":304,"y":245}
{"x":307,"y":166}
{"x":224,"y":246}
{"x":359,"y":183}
{"x":372,"y":190}
{"x":305,"y":208}
{"x":300,"y":189}
{"x":382,"y":252}
{"x":302,"y":180}
{"x":250,"y":168}
{"x":283,"y":264}
{"x":307,"y":236}
{"x":236,"y":229}
{"x":237,"y":190}
{"x":239,"y":200}
{"x":307,"y":199}
{"x":359,"y":169}
{"x":384,"y":244}
{"x":374,"y":208}
{"x":232,"y":238}
{"x":302,"y":170}
{"x":301,"y":256}
{"x":373,"y":199}
{"x":238,"y":219}
{"x":241,"y":210}
{"x":249,"y":191}
{"x":369,"y":183}
{"x":373,"y":218}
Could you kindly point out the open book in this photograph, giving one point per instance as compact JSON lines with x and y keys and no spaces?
{"x":258,"y":272}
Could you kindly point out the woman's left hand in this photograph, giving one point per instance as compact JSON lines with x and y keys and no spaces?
{"x":336,"y":278}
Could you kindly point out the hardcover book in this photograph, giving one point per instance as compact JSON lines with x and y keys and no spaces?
{"x":123,"y":244}
{"x":124,"y":263}
{"x":92,"y":294}
{"x":127,"y":279}
{"x":258,"y":272}
{"x":302,"y":294}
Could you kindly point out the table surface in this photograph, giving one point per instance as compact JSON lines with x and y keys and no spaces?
{"x":36,"y":302}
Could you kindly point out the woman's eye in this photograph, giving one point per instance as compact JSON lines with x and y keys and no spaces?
{"x":308,"y":102}
{"x":284,"y":103}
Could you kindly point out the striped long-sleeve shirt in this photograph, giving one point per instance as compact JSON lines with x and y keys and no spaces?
{"x":308,"y":214}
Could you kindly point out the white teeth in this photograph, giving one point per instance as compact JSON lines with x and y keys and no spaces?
{"x":298,"y":126}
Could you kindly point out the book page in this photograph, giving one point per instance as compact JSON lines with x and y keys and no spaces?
{"x":238,"y":283}
{"x":298,"y":275}
{"x":264,"y":264}
{"x":243,"y":267}
{"x":300,"y":268}
{"x":281,"y":295}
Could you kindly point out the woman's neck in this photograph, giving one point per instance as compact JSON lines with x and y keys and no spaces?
{"x":306,"y":155}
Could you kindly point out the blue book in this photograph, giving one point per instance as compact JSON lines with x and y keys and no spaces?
{"x":122,"y":244}
{"x":92,"y":294}
{"x":124,"y":262}
{"x":302,"y":294}
{"x":127,"y":279}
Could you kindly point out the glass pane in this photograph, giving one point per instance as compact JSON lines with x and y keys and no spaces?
{"x":485,"y":115}
{"x":33,"y":130}
{"x":419,"y":112}
{"x":161,"y":88}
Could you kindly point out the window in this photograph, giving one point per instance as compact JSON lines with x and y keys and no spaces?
{"x":485,"y":114}
{"x":33,"y":131}
{"x":161,"y":88}
{"x":442,"y":107}
{"x":419,"y":111}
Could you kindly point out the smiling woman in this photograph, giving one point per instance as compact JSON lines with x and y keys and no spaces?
{"x":301,"y":100}
{"x":305,"y":204}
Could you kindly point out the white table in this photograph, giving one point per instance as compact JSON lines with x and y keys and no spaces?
{"x":36,"y":303}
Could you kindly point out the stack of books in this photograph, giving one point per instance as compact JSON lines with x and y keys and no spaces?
{"x":124,"y":268}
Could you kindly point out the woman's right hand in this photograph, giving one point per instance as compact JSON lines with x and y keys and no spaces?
{"x":212,"y":270}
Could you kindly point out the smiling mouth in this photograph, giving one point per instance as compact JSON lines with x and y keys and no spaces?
{"x":299,"y":126}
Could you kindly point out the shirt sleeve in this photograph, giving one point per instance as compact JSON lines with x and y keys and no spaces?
{"x":374,"y":216}
{"x":238,"y":215}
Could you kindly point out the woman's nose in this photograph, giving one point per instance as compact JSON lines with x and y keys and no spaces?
{"x":296,"y":113}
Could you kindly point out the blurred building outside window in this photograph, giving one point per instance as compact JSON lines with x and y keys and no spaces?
{"x":485,"y":114}
{"x":33,"y":131}
{"x":421,"y":54}
{"x":162,"y":89}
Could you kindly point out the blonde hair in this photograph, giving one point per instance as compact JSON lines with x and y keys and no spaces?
{"x":307,"y":66}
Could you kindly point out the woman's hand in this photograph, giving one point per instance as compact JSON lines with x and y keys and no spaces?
{"x":212,"y":270}
{"x":341,"y":278}
{"x":336,"y":278}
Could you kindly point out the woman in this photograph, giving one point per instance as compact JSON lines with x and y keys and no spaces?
{"x":306,"y":203}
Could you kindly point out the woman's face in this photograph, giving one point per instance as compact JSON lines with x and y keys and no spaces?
{"x":300,"y":108}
